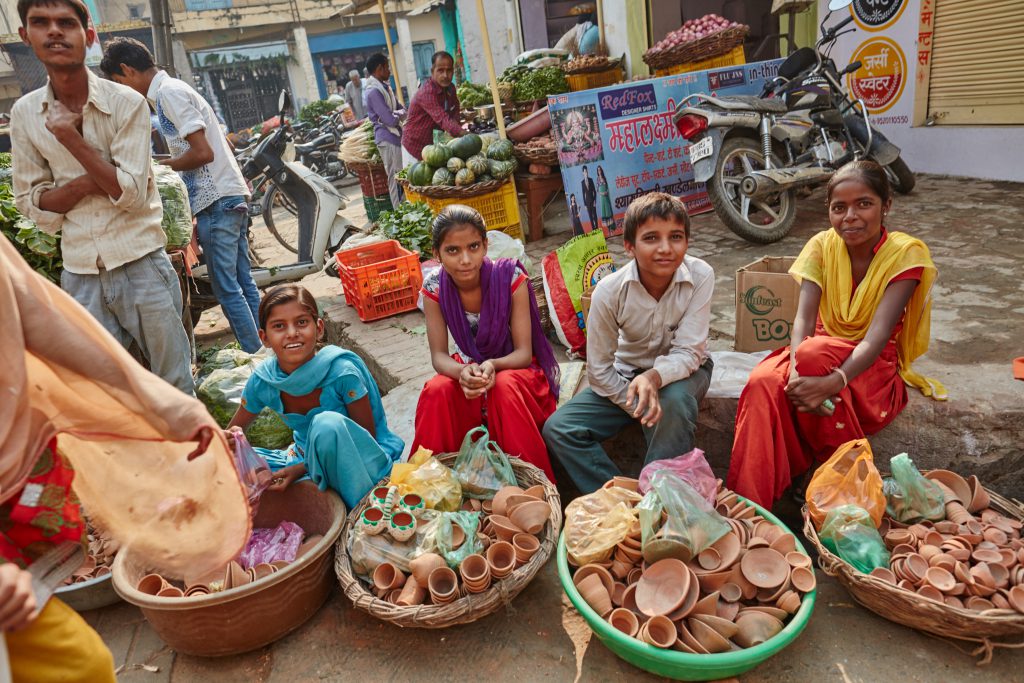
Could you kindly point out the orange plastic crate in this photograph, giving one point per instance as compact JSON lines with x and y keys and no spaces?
{"x":380,"y":279}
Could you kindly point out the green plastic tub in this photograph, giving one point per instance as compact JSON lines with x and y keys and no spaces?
{"x":684,"y":666}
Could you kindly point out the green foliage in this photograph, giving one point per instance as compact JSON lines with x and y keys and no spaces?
{"x":537,"y":84}
{"x":411,"y":225}
{"x":473,"y":95}
{"x":312,"y":112}
{"x":39,"y":249}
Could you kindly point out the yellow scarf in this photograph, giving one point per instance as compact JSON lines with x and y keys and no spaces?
{"x":847,"y":314}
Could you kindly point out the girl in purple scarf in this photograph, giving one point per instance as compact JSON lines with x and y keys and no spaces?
{"x":503,"y":372}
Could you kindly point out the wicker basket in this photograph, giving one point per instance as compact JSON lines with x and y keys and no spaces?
{"x":453,"y":192}
{"x":467,"y":609}
{"x":534,"y":155}
{"x":702,"y":48}
{"x":988,"y":630}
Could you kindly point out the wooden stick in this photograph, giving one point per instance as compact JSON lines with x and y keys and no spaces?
{"x":391,"y":54}
{"x":499,"y":115}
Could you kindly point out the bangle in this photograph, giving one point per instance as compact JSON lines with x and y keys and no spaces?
{"x":842,"y":374}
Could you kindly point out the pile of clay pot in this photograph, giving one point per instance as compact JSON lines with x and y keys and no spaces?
{"x":233,"y":575}
{"x":509,"y":529}
{"x":100,"y":557}
{"x":973,"y":559}
{"x":735,"y":594}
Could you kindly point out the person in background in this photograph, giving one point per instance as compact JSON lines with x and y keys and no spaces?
{"x":383,"y":110}
{"x":216,"y":189}
{"x":584,"y":37}
{"x":647,"y":348}
{"x":81,"y":167}
{"x":435,"y":106}
{"x":355,"y":94}
{"x":590,"y":199}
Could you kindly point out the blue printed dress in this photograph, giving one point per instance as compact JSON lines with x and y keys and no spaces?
{"x":337,"y":451}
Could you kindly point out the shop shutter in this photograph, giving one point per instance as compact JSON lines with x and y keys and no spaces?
{"x":977,"y":63}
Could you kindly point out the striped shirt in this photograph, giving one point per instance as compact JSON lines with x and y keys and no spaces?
{"x":99,"y":232}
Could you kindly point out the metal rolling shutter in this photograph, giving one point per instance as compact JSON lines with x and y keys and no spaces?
{"x":977,"y":69}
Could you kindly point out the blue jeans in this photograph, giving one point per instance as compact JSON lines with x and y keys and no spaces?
{"x":575,"y":432}
{"x":222,"y":234}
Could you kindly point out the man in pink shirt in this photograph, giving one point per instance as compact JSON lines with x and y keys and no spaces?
{"x":435,"y":106}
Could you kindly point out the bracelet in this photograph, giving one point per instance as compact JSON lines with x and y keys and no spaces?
{"x":842,"y":374}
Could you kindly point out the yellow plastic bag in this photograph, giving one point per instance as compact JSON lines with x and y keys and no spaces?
{"x":425,"y":475}
{"x":849,"y":477}
{"x":597,"y":522}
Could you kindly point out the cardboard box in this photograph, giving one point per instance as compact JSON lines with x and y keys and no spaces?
{"x":585,"y":304}
{"x":766,"y":301}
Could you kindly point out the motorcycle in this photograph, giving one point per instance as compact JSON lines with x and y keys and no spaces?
{"x":756,"y":153}
{"x":321,"y":227}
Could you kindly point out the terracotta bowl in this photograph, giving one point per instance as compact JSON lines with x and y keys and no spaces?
{"x":957,"y":484}
{"x":532,"y":126}
{"x":663,"y":587}
{"x":498,"y":502}
{"x":532,"y":516}
{"x":270,"y":607}
{"x":765,"y":568}
{"x":504,"y":528}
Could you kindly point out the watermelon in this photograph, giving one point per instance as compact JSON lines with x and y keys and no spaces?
{"x":421,"y":174}
{"x":455,"y":164}
{"x":500,"y":169}
{"x":500,"y":150}
{"x":466,"y":146}
{"x":477,"y":164}
{"x":464,"y":177}
{"x":484,"y":178}
{"x":442,"y":176}
{"x":436,"y":155}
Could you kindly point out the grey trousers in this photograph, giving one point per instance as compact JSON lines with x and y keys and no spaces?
{"x":575,"y":432}
{"x":140,"y":301}
{"x":391,"y":155}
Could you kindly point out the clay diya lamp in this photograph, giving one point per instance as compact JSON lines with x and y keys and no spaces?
{"x":422,"y":565}
{"x":768,"y":531}
{"x":663,"y":587}
{"x":373,"y":521}
{"x":531,"y":517}
{"x":593,"y":568}
{"x":986,"y":555}
{"x":770,"y":610}
{"x":195,"y":591}
{"x":995,"y":535}
{"x":999,"y":600}
{"x":629,"y":601}
{"x":503,"y":527}
{"x":803,"y":579}
{"x":931,"y":593}
{"x":789,"y":601}
{"x":929,"y":551}
{"x":764,"y":568}
{"x":687,"y":642}
{"x":527,"y":545}
{"x":730,"y":592}
{"x":515,"y":500}
{"x":618,"y":590}
{"x":634,"y":576}
{"x":953,"y":486}
{"x":736,"y":576}
{"x":476,"y":574}
{"x":710,"y":639}
{"x":170,"y":592}
{"x":944,"y":560}
{"x":402,"y":526}
{"x":953,"y":601}
{"x":915,"y":567}
{"x":262,"y":570}
{"x":236,"y":575}
{"x":443,"y":585}
{"x":412,"y":502}
{"x":501,"y":557}
{"x":498,"y":502}
{"x":595,"y":594}
{"x":724,"y":627}
{"x":658,"y":631}
{"x":772,"y":595}
{"x":728,"y":548}
{"x":689,"y":602}
{"x":978,"y":604}
{"x":625,"y":621}
{"x":798,"y":559}
{"x":754,"y":628}
{"x":757,"y":542}
{"x":784,"y":544}
{"x":308,"y":545}
{"x":487,"y":506}
{"x":536,"y":491}
{"x":387,"y":577}
{"x":379,"y":496}
{"x":979,"y":496}
{"x":709,"y":559}
{"x":958,"y":513}
{"x":152,"y":584}
{"x":1015,"y":596}
{"x":1000,"y":573}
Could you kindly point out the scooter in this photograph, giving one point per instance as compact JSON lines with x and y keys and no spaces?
{"x":757,"y":153}
{"x":322,"y":228}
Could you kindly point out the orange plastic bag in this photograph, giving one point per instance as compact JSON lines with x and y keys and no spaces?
{"x":849,"y":477}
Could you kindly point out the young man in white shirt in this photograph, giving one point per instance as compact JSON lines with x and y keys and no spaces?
{"x":81,"y":157}
{"x":647,"y":358}
{"x":216,"y":189}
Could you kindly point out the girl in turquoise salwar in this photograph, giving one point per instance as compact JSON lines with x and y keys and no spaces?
{"x":327,"y":397}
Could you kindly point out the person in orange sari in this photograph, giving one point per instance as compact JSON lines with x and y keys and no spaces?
{"x":863,"y":317}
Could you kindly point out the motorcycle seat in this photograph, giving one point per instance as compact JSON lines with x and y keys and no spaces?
{"x":748,"y":103}
{"x":313,"y":145}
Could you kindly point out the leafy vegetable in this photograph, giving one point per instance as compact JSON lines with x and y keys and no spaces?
{"x":39,"y":249}
{"x":177,"y":219}
{"x":360,"y":145}
{"x":473,"y":95}
{"x":312,"y":112}
{"x":539,"y":83}
{"x":411,"y":225}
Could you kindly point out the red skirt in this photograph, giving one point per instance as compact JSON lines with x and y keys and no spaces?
{"x":774,"y":443}
{"x":516,"y":409}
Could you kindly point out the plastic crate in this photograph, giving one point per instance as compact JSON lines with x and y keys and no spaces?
{"x":598,"y":79}
{"x":733,"y":57}
{"x":373,"y":180}
{"x":500,"y":208}
{"x":380,"y":279}
{"x":375,"y":205}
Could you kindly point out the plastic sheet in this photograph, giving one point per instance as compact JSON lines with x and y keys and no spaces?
{"x":469,"y":522}
{"x":597,"y":522}
{"x":731,"y":372}
{"x":426,"y":476}
{"x":271,"y":545}
{"x":692,"y":467}
{"x":909,"y":497}
{"x":481,"y":467}
{"x":221,"y":393}
{"x":177,"y":216}
{"x":690,"y":523}
{"x":849,"y":532}
{"x":366,"y":551}
{"x":848,"y":477}
{"x":253,"y":470}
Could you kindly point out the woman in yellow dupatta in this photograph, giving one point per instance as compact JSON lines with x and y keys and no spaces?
{"x":863,"y":318}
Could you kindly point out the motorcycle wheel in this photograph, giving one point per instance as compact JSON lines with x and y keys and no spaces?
{"x":900,"y":176}
{"x":757,"y":221}
{"x":286,"y":233}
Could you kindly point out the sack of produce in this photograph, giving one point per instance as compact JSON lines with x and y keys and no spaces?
{"x":848,"y":477}
{"x":481,"y":467}
{"x":177,"y":218}
{"x":221,"y":393}
{"x":909,"y":497}
{"x":569,"y":271}
{"x":691,"y":524}
{"x":849,"y":531}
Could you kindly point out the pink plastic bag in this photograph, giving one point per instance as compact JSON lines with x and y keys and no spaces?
{"x":253,"y":470}
{"x":271,"y":545}
{"x":692,"y":467}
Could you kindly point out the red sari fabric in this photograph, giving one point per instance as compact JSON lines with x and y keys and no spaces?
{"x":774,"y":443}
{"x":514,"y":411}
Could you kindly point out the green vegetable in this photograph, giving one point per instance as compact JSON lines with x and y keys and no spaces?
{"x":537,"y":84}
{"x":177,"y":218}
{"x":221,"y":393}
{"x":473,"y":95}
{"x":411,"y":225}
{"x":442,"y":176}
{"x":421,"y":173}
{"x":455,"y":164}
{"x":39,"y":249}
{"x":312,"y":112}
{"x":500,"y":150}
{"x":466,"y":146}
{"x":514,"y":73}
{"x":465,"y":177}
{"x":436,"y":155}
{"x":477,"y":164}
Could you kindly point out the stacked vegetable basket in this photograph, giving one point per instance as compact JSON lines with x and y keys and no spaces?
{"x":705,"y":43}
{"x":361,"y":156}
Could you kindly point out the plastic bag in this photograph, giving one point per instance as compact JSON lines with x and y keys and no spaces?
{"x":691,"y":524}
{"x":253,"y":471}
{"x":849,"y":532}
{"x":469,"y":522}
{"x":848,"y":477}
{"x":692,"y":467}
{"x":366,"y":551}
{"x":597,"y":522}
{"x":271,"y":545}
{"x":221,"y":393}
{"x":177,"y":216}
{"x":426,"y":476}
{"x":568,"y":272}
{"x":909,"y":497}
{"x":500,"y":245}
{"x":731,"y":372}
{"x":481,"y":467}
